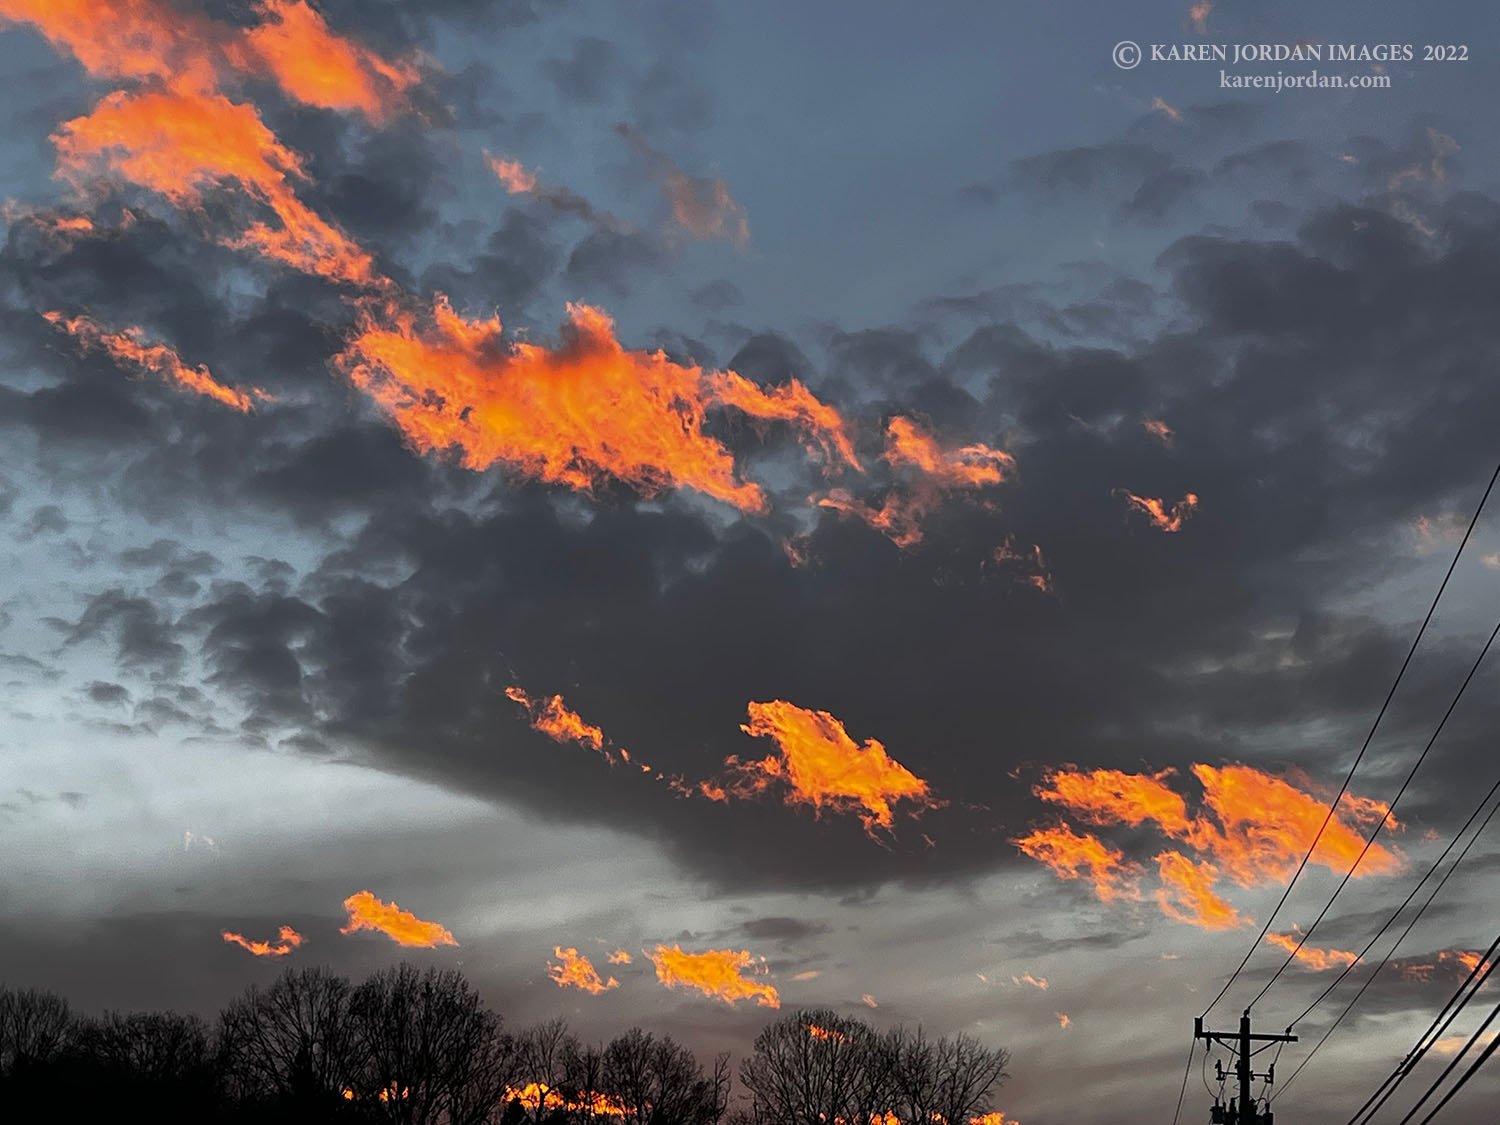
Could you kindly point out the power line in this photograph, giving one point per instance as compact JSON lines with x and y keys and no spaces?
{"x":1186,"y":1071}
{"x":1403,"y":935}
{"x":1482,"y":969}
{"x":1333,"y":805}
{"x":1384,"y":817}
{"x":1463,"y":1078}
{"x":1468,"y":1074}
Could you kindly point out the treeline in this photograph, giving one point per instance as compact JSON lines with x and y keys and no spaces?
{"x":411,"y":1047}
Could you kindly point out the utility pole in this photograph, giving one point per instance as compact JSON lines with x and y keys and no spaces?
{"x":1240,"y":1044}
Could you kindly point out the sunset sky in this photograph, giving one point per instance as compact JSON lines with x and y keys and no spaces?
{"x":688,"y":511}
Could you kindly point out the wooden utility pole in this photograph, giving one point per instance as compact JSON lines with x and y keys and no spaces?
{"x":1240,"y":1045}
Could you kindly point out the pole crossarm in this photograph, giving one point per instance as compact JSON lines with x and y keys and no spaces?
{"x":1243,"y":1112}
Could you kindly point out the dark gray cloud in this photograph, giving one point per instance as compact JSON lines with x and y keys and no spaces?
{"x":661,"y":628}
{"x":589,"y":73}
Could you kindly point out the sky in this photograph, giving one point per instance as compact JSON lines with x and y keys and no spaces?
{"x":877,"y":498}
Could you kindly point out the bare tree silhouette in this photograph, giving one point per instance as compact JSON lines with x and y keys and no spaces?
{"x":293,"y":1044}
{"x":815,"y":1066}
{"x":431,"y":1053}
{"x":34,"y":1026}
{"x":655,"y":1081}
{"x":419,"y":1047}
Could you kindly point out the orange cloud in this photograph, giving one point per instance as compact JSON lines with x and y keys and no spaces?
{"x":535,"y":1095}
{"x":1035,"y":982}
{"x":869,"y":1001}
{"x":1467,"y":959}
{"x":513,"y":174}
{"x":1115,"y":797}
{"x":520,"y":180}
{"x":294,"y":46}
{"x":582,"y":414}
{"x":702,"y":208}
{"x":1027,"y":566}
{"x":1316,"y":959}
{"x":1072,"y":855}
{"x":151,"y":40}
{"x":1172,"y":113}
{"x":366,"y":912}
{"x":969,"y":466}
{"x":180,"y":141}
{"x":1063,"y":1020}
{"x":1253,"y":828}
{"x":620,"y":957}
{"x":928,"y":473}
{"x":288,"y":939}
{"x":129,"y":347}
{"x":574,"y":970}
{"x":1461,"y":962}
{"x":719,"y":973}
{"x":553,"y":719}
{"x":1155,"y":426}
{"x":131,"y":39}
{"x":59,"y":229}
{"x":1187,"y":894}
{"x":1163,"y":517}
{"x":820,"y":765}
{"x":1267,"y":825}
{"x":1198,"y":16}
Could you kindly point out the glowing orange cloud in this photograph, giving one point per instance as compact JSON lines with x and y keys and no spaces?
{"x":821,"y":425}
{"x":1198,"y":16}
{"x":1461,"y":962}
{"x":1155,"y":426}
{"x":129,"y":347}
{"x":59,"y":229}
{"x":142,"y":40}
{"x":316,"y":66}
{"x":820,"y":765}
{"x":582,"y":414}
{"x":1467,"y":959}
{"x":574,"y":970}
{"x":1267,"y":825}
{"x":702,"y":208}
{"x":288,"y":939}
{"x":520,"y":180}
{"x":1187,"y":894}
{"x":1254,"y":828}
{"x":366,"y":912}
{"x":620,"y":957}
{"x":537,"y":1095}
{"x":553,"y":719}
{"x":1072,"y":855}
{"x":1028,"y":566}
{"x":826,"y":1033}
{"x":869,"y":1001}
{"x":180,"y":142}
{"x":1163,"y":517}
{"x":130,"y":39}
{"x":1035,"y":982}
{"x":1316,"y":959}
{"x":1115,"y":797}
{"x":719,"y":973}
{"x":1172,"y":113}
{"x":1064,"y":1021}
{"x":513,"y":174}
{"x":969,"y":466}
{"x":929,"y":472}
